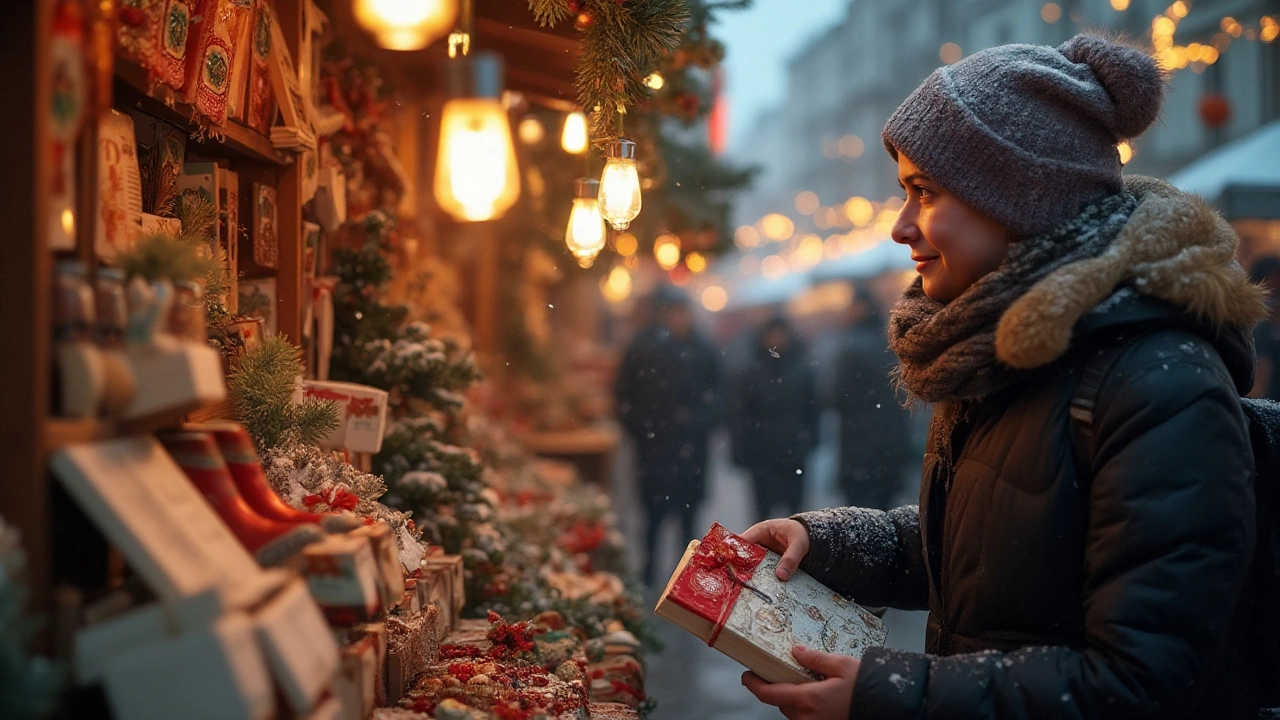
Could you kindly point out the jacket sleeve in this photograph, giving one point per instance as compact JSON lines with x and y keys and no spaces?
{"x":872,"y":556}
{"x":1168,"y":547}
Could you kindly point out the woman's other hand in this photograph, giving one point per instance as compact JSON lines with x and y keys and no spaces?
{"x":788,"y":538}
{"x":828,"y":699}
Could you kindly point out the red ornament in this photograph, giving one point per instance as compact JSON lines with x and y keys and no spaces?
{"x":1214,"y":111}
{"x":132,"y":17}
{"x":575,"y":7}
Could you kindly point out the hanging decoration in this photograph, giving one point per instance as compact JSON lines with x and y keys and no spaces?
{"x":574,"y":137}
{"x":476,"y":173}
{"x":1215,"y":111}
{"x":406,"y":24}
{"x":620,"y":185}
{"x":585,"y":236}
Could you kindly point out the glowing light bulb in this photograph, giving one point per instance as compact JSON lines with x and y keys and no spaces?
{"x":666,"y":250}
{"x":574,"y":136}
{"x":476,"y":173}
{"x":714,"y":298}
{"x":406,"y":24}
{"x":655,"y":81}
{"x":620,"y":185}
{"x":585,"y":236}
{"x":531,"y":131}
{"x":696,"y":262}
{"x":617,"y":285}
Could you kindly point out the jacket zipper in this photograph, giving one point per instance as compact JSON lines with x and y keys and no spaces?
{"x":946,"y":640}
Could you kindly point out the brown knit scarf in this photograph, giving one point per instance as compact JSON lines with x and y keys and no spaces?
{"x":947,"y":350}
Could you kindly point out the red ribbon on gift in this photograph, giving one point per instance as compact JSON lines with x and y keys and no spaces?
{"x":337,"y":499}
{"x":710,"y":584}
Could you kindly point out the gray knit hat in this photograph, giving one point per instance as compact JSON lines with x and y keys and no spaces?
{"x":1027,"y":134}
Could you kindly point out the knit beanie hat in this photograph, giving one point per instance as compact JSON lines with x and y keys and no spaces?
{"x":1027,"y":134}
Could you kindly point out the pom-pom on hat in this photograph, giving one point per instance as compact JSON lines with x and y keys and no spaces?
{"x":1027,"y":134}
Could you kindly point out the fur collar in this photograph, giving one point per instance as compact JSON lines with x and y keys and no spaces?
{"x":1174,"y":247}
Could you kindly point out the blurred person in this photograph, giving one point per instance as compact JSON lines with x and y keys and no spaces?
{"x":1078,"y":560}
{"x":1266,"y":336}
{"x":875,"y":433}
{"x":772,"y":418}
{"x":666,"y":392}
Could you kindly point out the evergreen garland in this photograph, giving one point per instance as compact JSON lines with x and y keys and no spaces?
{"x":622,"y":44}
{"x":262,"y":392}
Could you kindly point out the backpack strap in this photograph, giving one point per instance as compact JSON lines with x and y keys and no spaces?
{"x":1099,"y":359}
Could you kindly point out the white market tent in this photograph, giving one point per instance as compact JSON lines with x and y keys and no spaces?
{"x":1241,"y":178}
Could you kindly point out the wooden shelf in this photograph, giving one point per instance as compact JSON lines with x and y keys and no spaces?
{"x":131,"y":90}
{"x":60,"y":432}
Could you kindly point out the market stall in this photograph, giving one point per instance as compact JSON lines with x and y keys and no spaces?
{"x":277,"y":269}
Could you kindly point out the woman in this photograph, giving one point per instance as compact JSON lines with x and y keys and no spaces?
{"x":1059,"y":584}
{"x":772,"y":420}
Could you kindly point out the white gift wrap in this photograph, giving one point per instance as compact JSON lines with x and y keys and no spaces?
{"x":216,"y":674}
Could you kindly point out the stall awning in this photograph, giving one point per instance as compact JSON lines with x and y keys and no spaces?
{"x":1241,"y":178}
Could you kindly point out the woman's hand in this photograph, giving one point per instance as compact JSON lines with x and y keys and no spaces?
{"x":788,"y":538}
{"x":828,"y":699}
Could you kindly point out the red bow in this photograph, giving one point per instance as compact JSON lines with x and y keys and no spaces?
{"x":337,"y":499}
{"x":711,"y":582}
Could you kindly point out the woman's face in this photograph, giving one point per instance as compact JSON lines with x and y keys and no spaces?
{"x":953,"y":244}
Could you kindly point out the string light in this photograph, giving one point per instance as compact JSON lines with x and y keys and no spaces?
{"x":620,"y":185}
{"x":696,"y":262}
{"x":666,"y":250}
{"x":655,"y":81}
{"x":406,"y":24}
{"x":573,"y":138}
{"x":585,"y":236}
{"x":714,"y":298}
{"x":476,"y":173}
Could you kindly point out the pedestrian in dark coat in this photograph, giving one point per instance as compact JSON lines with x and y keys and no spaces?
{"x":772,"y":418}
{"x":666,"y":400}
{"x":875,"y":435}
{"x":1106,"y":581}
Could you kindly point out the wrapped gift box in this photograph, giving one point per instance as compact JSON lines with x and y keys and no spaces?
{"x":354,"y":687}
{"x":726,"y":591}
{"x":176,"y":377}
{"x":364,"y":414}
{"x":412,"y":643}
{"x":452,"y":568}
{"x":218,"y":673}
{"x":298,"y":646}
{"x":434,"y":590}
{"x":343,"y":578}
{"x":377,"y":633}
{"x":386,"y":553}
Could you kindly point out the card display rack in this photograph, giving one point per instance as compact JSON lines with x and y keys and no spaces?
{"x":29,"y":434}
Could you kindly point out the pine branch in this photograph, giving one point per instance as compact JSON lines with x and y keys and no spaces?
{"x":262,"y":390}
{"x":623,"y":44}
{"x":158,"y":257}
{"x":549,"y":12}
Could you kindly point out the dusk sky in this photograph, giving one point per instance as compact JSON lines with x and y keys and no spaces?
{"x":759,"y":42}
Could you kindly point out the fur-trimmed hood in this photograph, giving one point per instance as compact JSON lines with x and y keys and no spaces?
{"x":1174,"y":248}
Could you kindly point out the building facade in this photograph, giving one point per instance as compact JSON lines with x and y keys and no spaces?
{"x":825,"y":137}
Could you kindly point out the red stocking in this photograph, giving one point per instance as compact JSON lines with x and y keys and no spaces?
{"x":246,"y":470}
{"x":271,"y":541}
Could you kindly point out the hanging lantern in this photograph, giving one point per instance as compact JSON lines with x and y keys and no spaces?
{"x":406,"y":24}
{"x":585,"y":236}
{"x":620,"y":185}
{"x":476,"y":173}
{"x":1214,"y":111}
{"x":574,"y":137}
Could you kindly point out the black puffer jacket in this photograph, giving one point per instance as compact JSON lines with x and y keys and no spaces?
{"x":1057,"y":591}
{"x":1068,"y":583}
